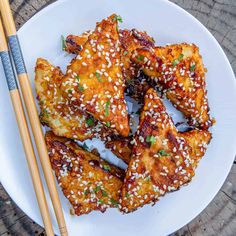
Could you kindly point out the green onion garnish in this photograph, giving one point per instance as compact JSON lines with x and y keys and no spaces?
{"x":90,"y":121}
{"x":163,"y":153}
{"x":176,"y":61}
{"x":107,"y":108}
{"x":150,"y":139}
{"x":63,"y":43}
{"x":98,"y":76}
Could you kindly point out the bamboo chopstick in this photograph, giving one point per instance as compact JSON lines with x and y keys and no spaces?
{"x":24,"y":132}
{"x":31,"y":109}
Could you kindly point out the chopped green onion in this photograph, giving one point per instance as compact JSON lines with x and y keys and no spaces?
{"x":104,"y":194}
{"x":163,"y":153}
{"x":150,"y":139}
{"x":45,"y":113}
{"x":77,"y":77}
{"x":192,"y":68}
{"x":90,"y":121}
{"x":127,"y":195}
{"x":147,"y":178}
{"x":107,"y":167}
{"x":117,"y":18}
{"x":108,"y":124}
{"x":176,"y":61}
{"x":107,"y":108}
{"x":98,"y":76}
{"x":63,"y":43}
{"x":114,"y":202}
{"x":125,"y":53}
{"x":140,"y":57}
{"x":80,"y":87}
{"x":97,"y":189}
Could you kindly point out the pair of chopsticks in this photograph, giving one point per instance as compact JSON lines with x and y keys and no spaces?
{"x":31,"y":109}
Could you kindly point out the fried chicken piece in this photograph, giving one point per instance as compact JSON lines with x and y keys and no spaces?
{"x":57,"y":112}
{"x":136,"y":84}
{"x":94,"y":79}
{"x":160,"y":160}
{"x":87,"y":181}
{"x":179,"y":71}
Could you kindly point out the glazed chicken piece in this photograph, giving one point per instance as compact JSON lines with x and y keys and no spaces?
{"x":161,"y":158}
{"x":57,"y":112}
{"x":87,"y":181}
{"x":179,"y":73}
{"x":94,"y":79}
{"x":136,"y":83}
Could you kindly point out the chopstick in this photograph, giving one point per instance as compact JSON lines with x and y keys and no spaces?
{"x":31,"y":109}
{"x":24,"y":132}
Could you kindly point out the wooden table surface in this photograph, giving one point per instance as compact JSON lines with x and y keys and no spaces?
{"x":219,"y":218}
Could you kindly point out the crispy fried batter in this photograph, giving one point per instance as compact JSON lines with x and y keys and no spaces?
{"x":94,"y":79}
{"x":179,"y":71}
{"x":57,"y":112}
{"x":87,"y":181}
{"x":160,"y":159}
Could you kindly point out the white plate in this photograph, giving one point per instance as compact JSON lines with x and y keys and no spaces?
{"x":167,"y":23}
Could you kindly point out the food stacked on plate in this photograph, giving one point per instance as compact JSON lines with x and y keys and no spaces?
{"x":88,"y":101}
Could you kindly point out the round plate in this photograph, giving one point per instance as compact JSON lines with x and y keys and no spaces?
{"x":167,"y":23}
